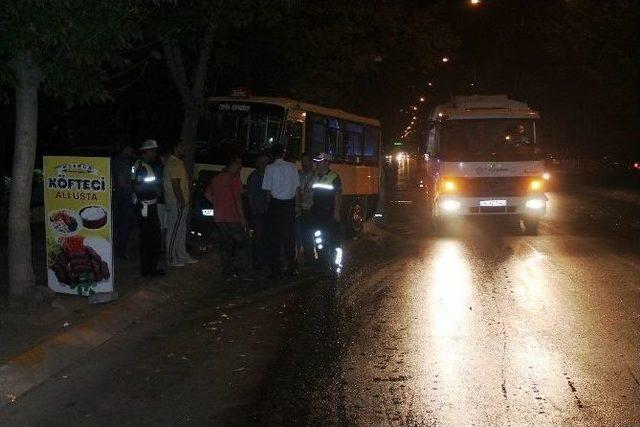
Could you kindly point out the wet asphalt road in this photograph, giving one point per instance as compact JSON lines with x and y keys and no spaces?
{"x":483,"y":326}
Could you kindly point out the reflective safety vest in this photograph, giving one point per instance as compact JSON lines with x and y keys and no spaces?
{"x":325,"y":182}
{"x":145,"y":184}
{"x":324,"y":192}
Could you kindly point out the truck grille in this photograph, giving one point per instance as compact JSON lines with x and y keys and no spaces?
{"x":491,"y":187}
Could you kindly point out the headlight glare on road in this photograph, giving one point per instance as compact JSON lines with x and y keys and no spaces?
{"x":535,"y":204}
{"x":450,"y":205}
{"x":535,"y":185}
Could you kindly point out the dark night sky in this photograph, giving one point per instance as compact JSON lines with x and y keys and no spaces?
{"x":505,"y":47}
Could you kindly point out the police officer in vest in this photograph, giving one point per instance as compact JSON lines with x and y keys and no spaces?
{"x":146,"y":189}
{"x":327,"y":200}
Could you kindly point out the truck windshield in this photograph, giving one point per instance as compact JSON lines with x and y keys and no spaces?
{"x":236,"y":126}
{"x":489,"y":139}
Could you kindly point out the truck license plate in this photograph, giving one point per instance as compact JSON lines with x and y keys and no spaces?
{"x":493,"y":203}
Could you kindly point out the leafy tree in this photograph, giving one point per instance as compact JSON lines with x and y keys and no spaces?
{"x":58,"y":47}
{"x":189,"y":32}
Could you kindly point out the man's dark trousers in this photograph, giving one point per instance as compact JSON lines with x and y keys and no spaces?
{"x":306,"y":235}
{"x":281,"y":217}
{"x":150,"y":239}
{"x":125,"y":219}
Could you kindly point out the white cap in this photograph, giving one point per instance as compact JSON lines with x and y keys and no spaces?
{"x":321,"y":157}
{"x":149,"y":144}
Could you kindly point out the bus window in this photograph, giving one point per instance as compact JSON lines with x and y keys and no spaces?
{"x":293,"y":139}
{"x":353,"y":142}
{"x":371,"y":145}
{"x":316,"y":134}
{"x":334,"y":139}
{"x":246,"y":128}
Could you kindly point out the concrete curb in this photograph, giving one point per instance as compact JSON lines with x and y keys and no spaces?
{"x":51,"y":356}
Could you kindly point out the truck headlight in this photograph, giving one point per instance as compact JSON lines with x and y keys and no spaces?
{"x":535,"y":204}
{"x":450,"y":205}
{"x":535,"y":185}
{"x":449,"y":186}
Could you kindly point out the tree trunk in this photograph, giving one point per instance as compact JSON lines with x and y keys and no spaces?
{"x":191,"y":90}
{"x":28,"y":76}
{"x":188,"y":136}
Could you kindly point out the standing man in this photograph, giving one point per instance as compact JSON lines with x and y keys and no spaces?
{"x":258,"y":207}
{"x":146,"y":191}
{"x":307,"y":179}
{"x":176,"y":196}
{"x":158,"y":169}
{"x":327,"y":202}
{"x":225,"y":194}
{"x":281,"y":181}
{"x":125,"y":213}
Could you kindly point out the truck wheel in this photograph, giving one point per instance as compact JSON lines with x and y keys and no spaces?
{"x":530,"y":226}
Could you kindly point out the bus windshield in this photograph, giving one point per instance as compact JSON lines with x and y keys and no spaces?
{"x":489,"y":139}
{"x":238,"y":126}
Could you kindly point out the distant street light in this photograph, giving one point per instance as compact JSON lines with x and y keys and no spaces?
{"x":474,"y":2}
{"x":422,"y":99}
{"x":415,"y":108}
{"x":445,"y":59}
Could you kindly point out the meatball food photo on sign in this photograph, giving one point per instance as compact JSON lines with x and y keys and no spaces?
{"x":79,"y":230}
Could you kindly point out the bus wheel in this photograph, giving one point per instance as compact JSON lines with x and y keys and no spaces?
{"x":530,"y":226}
{"x":355,"y":219}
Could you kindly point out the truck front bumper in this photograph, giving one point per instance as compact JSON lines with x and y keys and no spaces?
{"x":532,"y":205}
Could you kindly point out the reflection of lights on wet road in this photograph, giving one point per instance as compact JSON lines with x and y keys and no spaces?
{"x":448,"y":282}
{"x":451,"y":281}
{"x":532,"y":282}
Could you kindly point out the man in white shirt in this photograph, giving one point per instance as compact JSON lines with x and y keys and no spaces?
{"x":282,"y":183}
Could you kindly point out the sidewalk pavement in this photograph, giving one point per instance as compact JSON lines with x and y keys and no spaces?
{"x":39,"y":341}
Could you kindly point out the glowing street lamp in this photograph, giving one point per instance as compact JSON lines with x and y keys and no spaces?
{"x":474,"y":2}
{"x":415,"y":108}
{"x":445,"y":59}
{"x":430,"y":84}
{"x":422,"y":99}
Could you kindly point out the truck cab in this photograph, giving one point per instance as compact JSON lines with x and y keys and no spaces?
{"x":483,"y":158}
